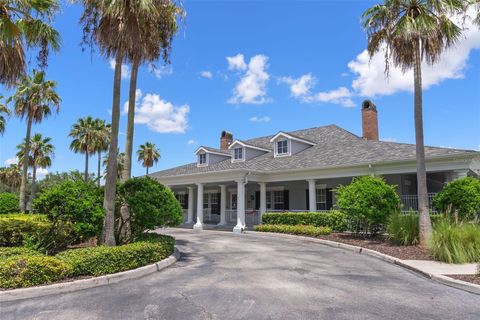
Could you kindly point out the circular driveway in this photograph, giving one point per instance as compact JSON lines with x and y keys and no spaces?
{"x":222,"y":275}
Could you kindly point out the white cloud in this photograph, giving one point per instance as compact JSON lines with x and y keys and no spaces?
{"x":159,"y":115}
{"x":252,"y":87}
{"x":191,"y":141}
{"x":161,"y":71}
{"x":11,"y":161}
{"x":301,"y":89}
{"x":259,"y":119}
{"x":125,"y":69}
{"x":237,"y":62}
{"x":42,"y":172}
{"x":206,"y":74}
{"x":371,"y":81}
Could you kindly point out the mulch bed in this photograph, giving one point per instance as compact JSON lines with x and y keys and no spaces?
{"x":472,"y":278}
{"x":381,"y":245}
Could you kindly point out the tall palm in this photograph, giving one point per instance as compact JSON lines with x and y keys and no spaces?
{"x":148,"y":155}
{"x":115,"y":27}
{"x":83,"y":134}
{"x":11,"y":176}
{"x":4,"y":111}
{"x":40,"y":156}
{"x":412,"y":31}
{"x":101,"y":140}
{"x":34,"y":99}
{"x":158,"y":28}
{"x":120,"y":163}
{"x":25,"y":24}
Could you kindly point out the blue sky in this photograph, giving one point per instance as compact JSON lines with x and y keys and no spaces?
{"x":254,"y":68}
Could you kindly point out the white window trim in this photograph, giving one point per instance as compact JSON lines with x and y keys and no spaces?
{"x":243,"y":155}
{"x":289,"y":146}
{"x":206,"y":160}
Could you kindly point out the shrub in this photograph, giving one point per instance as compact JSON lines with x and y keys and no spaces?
{"x":150,"y":203}
{"x":9,"y":203}
{"x":8,"y":252}
{"x":461,"y":195}
{"x":456,"y":242}
{"x":335,"y":219}
{"x":297,"y":229}
{"x":96,"y":261}
{"x":368,"y":202}
{"x":77,"y":203}
{"x":403,"y":229}
{"x":30,"y":270}
{"x":15,"y":229}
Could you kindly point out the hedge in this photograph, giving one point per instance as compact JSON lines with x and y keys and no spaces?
{"x":16,"y":228}
{"x":96,"y":261}
{"x":298,"y":229}
{"x":30,"y":270}
{"x":9,"y":203}
{"x":335,"y":220}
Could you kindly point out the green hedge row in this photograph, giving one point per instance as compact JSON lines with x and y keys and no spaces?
{"x":9,"y":203}
{"x":299,"y":230}
{"x":16,"y":228}
{"x":335,"y":220}
{"x":21,"y":267}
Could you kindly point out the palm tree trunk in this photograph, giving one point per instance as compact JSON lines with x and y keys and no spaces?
{"x":99,"y":167}
{"x":32,"y":192}
{"x":425,"y":225}
{"x":108,"y":233}
{"x":86,"y":166}
{"x":127,"y":169}
{"x":26,"y":153}
{"x":147,"y":171}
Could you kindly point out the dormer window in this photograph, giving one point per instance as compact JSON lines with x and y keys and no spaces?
{"x":238,"y":154}
{"x":202,"y":159}
{"x":282,"y":147}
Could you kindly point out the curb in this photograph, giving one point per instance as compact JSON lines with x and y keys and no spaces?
{"x":76,"y":285}
{"x":459,"y":284}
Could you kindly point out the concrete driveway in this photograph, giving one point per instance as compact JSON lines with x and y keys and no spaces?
{"x":222,"y":275}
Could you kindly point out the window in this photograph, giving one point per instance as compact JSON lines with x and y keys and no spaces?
{"x":182,"y":199}
{"x":282,"y":147}
{"x":321,"y":199}
{"x":275,"y":200}
{"x":202,"y":158}
{"x":238,"y":154}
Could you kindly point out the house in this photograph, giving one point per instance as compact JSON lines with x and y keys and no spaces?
{"x":299,"y":171}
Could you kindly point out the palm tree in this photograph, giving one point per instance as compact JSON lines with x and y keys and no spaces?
{"x":34,"y":99}
{"x":412,"y":31}
{"x":115,"y":27}
{"x":11,"y":176}
{"x":83,"y":134}
{"x":101,"y":140}
{"x":3,"y":111}
{"x":120,"y":163}
{"x":148,"y":154}
{"x":40,"y":156}
{"x":157,"y":31}
{"x":25,"y":24}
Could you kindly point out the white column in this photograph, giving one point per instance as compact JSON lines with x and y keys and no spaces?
{"x":312,"y":196}
{"x":199,"y":224}
{"x":223,"y":204}
{"x":263,"y":199}
{"x":190,"y":205}
{"x":240,"y":207}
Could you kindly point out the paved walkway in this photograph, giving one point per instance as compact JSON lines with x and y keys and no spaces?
{"x":438,"y":268}
{"x":253,"y":276}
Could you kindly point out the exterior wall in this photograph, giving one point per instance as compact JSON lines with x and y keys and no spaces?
{"x":252,"y":153}
{"x":214,"y":158}
{"x":298,"y":146}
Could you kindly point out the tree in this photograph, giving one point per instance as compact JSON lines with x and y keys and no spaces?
{"x":40,"y":156}
{"x":3,"y":111}
{"x":461,"y":198}
{"x":115,"y":27}
{"x":25,"y":24}
{"x":148,"y":154}
{"x":83,"y":134}
{"x":11,"y":176}
{"x":412,"y":31}
{"x":34,"y":99}
{"x":157,"y":31}
{"x":101,"y":141}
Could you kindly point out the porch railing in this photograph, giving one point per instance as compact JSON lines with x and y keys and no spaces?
{"x":410,"y":202}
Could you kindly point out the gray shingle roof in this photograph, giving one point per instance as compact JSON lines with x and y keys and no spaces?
{"x":226,"y":152}
{"x":334,"y":147}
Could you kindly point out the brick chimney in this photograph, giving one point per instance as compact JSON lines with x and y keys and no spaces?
{"x":226,"y":140}
{"x":369,"y":121}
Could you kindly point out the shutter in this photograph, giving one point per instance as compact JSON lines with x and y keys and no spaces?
{"x":257,"y":200}
{"x":307,"y":199}
{"x":286,"y":200}
{"x":329,"y":199}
